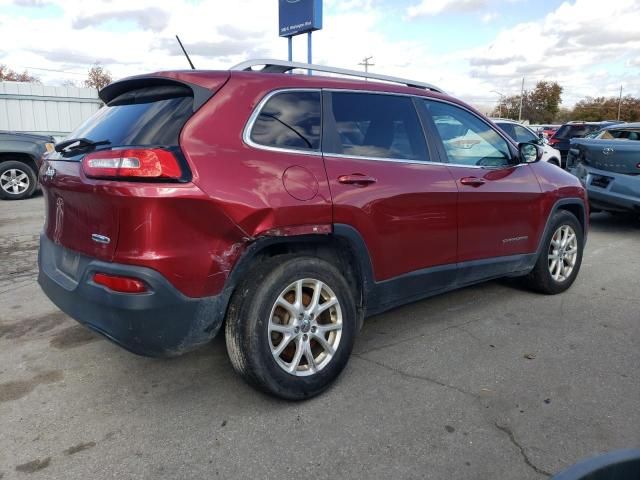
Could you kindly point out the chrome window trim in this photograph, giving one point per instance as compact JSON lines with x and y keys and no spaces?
{"x":246,"y":134}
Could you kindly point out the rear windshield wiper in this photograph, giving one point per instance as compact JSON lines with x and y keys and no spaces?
{"x":78,"y":143}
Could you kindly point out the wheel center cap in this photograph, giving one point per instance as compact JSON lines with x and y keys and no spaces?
{"x":305,"y":325}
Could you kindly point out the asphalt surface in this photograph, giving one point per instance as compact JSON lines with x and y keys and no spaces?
{"x":489,"y":382}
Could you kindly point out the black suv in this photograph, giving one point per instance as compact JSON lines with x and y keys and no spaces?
{"x":20,"y":154}
{"x":562,"y":138}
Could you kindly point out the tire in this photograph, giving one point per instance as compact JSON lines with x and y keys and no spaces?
{"x":253,"y":314}
{"x":17,"y":180}
{"x":554,"y":161}
{"x":556,"y":244}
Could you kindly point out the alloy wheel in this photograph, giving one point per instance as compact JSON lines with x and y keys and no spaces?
{"x":305,"y":327}
{"x":14,"y":181}
{"x":563,"y":253}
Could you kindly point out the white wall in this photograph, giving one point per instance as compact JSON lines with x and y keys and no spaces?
{"x":33,"y":108}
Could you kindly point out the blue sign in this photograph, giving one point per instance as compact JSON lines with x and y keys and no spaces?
{"x":299,"y":16}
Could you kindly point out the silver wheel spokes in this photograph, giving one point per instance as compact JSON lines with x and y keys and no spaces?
{"x":305,"y":327}
{"x":563,"y":252}
{"x":14,"y":181}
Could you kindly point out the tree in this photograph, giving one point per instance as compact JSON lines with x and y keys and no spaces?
{"x":6,"y":74}
{"x":98,"y":77}
{"x":603,"y":108}
{"x":539,"y":105}
{"x":543,"y":102}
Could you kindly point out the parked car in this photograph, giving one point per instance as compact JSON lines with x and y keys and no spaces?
{"x":522,"y":134}
{"x":608,"y":165}
{"x":288,"y":208}
{"x":19,"y":157}
{"x":561,"y":139}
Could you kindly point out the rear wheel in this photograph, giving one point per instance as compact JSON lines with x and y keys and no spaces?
{"x":17,"y":180}
{"x":291,"y":326}
{"x":561,"y":255}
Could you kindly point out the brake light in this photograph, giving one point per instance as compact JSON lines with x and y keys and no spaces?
{"x":132,"y":163}
{"x":120,"y":284}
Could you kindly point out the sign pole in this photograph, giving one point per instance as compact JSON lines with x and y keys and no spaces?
{"x":290,"y":39}
{"x":309,"y":50}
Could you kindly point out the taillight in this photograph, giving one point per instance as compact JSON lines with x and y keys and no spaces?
{"x":120,"y":284}
{"x":132,"y":163}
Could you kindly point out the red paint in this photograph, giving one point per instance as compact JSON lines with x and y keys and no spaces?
{"x":410,"y":215}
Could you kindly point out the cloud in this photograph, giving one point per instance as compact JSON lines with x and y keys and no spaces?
{"x":489,"y":17}
{"x":67,"y":56}
{"x":153,"y":18}
{"x":31,"y":3}
{"x":486,"y":61}
{"x":436,"y":7}
{"x":223,"y":48}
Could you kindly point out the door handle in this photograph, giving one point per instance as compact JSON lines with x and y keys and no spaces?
{"x":356,"y":179}
{"x":473,"y":181}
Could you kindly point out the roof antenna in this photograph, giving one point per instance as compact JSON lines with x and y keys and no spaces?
{"x":185,"y":53}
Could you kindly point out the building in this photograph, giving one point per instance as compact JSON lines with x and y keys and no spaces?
{"x":46,"y":110}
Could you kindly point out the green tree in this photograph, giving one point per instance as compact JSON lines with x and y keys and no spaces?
{"x":606,"y":108}
{"x":7,"y":74}
{"x":539,"y":105}
{"x":98,"y":77}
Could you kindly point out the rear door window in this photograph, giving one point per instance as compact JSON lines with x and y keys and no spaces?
{"x":376,"y":126}
{"x":290,"y":120}
{"x":152,"y":116}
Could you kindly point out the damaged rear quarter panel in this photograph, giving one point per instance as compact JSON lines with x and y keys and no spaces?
{"x":245,"y":182}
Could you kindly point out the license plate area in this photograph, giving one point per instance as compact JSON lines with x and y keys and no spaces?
{"x":600,"y":181}
{"x":69,"y":263}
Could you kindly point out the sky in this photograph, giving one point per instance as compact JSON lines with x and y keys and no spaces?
{"x":473,"y":49}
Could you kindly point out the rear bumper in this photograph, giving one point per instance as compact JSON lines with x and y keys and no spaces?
{"x":609,"y":190}
{"x":160,"y":323}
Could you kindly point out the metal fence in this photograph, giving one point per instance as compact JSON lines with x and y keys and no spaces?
{"x":47,"y":110}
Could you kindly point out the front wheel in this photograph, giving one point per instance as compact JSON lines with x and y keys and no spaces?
{"x":560,"y":257}
{"x":291,"y":326}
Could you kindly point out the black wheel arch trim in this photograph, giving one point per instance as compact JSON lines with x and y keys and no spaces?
{"x":584,"y":221}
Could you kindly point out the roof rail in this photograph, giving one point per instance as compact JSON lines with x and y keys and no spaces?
{"x":280,"y":66}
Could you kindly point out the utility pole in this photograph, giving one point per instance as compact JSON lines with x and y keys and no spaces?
{"x":366,"y":63}
{"x":521,"y":98}
{"x":620,"y":102}
{"x":499,"y":102}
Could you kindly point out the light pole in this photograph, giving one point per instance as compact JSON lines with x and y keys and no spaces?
{"x":620,"y":102}
{"x":499,"y":102}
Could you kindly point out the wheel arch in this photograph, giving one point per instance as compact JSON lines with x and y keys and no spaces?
{"x":23,"y":157}
{"x":344,"y":249}
{"x":574,"y":206}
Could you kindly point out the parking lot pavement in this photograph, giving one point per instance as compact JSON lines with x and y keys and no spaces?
{"x":490,"y":382}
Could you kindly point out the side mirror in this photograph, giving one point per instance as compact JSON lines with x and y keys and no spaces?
{"x":529,"y":152}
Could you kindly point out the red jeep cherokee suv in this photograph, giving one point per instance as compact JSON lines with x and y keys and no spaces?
{"x":288,"y":208}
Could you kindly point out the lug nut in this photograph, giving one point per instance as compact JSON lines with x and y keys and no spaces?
{"x":306,"y":337}
{"x":313,"y":329}
{"x":297,"y":329}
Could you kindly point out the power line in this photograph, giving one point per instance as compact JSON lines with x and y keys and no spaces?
{"x":51,"y":70}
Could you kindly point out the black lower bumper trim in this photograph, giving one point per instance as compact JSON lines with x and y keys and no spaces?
{"x":160,"y":323}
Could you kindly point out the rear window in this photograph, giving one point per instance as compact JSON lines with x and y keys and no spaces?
{"x":289,"y":120}
{"x":572,"y":131}
{"x":143,"y":117}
